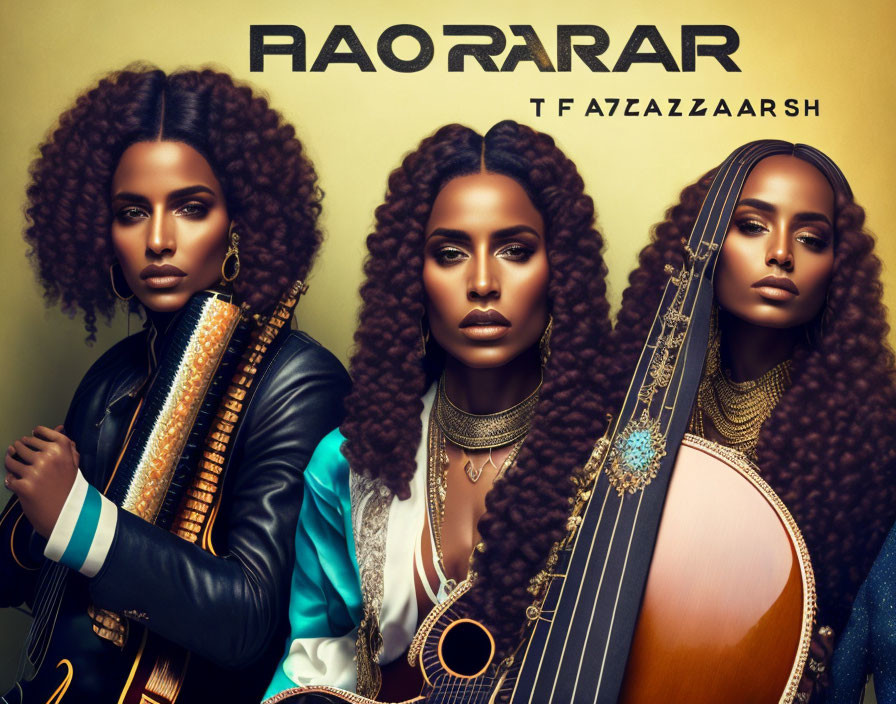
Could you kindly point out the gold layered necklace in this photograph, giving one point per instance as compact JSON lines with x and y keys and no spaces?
{"x":483,"y":432}
{"x":437,"y":479}
{"x":468,"y":431}
{"x":737,"y":410}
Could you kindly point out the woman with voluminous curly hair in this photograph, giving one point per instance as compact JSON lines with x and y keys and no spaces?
{"x":798,"y":375}
{"x":152,"y":533}
{"x":478,"y":391}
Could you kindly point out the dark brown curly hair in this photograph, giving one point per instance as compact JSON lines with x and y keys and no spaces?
{"x":526,"y":510}
{"x":270,"y":186}
{"x":828,"y":448}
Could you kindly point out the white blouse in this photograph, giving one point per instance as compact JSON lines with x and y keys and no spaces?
{"x":321,"y":658}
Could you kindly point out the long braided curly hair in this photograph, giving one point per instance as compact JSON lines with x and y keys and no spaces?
{"x":269,"y":184}
{"x":526,"y":510}
{"x":827,"y":449}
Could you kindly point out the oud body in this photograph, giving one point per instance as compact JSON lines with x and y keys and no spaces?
{"x":730,"y":598}
{"x":726,"y":616}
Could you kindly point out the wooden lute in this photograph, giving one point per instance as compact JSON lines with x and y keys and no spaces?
{"x":726,"y":616}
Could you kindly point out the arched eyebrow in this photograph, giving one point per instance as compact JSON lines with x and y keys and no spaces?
{"x":509,"y":232}
{"x":174,"y":195}
{"x":813,"y":217}
{"x":190,"y":191}
{"x":766,"y":207}
{"x":762,"y":205}
{"x":502,"y":234}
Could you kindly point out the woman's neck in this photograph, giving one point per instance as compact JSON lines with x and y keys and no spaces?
{"x":483,"y":391}
{"x":749,"y":350}
{"x":160,"y":321}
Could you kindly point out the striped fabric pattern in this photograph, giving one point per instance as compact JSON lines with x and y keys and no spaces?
{"x":84,"y":530}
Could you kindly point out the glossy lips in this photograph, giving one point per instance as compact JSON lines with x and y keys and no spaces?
{"x":777,"y":288}
{"x":484,"y":325}
{"x":162,"y":276}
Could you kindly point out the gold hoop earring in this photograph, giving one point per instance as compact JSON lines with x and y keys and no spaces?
{"x":544,"y":343}
{"x":112,"y":280}
{"x":424,"y":338}
{"x":234,"y":253}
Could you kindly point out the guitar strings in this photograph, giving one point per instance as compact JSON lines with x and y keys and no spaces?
{"x":38,"y":640}
{"x":743,"y":167}
{"x":738,"y":170}
{"x":746,"y":160}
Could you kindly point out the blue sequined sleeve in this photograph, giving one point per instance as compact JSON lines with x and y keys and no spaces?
{"x":868,"y":644}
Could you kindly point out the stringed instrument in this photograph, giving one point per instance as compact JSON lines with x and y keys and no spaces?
{"x":726,"y":616}
{"x":169,"y":473}
{"x":683,"y":577}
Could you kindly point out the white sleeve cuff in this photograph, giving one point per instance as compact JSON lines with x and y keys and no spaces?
{"x":323,"y":661}
{"x":84,"y":529}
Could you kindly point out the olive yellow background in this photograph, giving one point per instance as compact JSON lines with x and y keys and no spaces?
{"x":357,"y":126}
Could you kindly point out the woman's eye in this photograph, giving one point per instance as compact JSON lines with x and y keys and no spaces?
{"x":751,"y":227}
{"x":192,"y":210}
{"x":516,"y":253}
{"x":131,"y":214}
{"x":449,"y":255}
{"x":812,"y":241}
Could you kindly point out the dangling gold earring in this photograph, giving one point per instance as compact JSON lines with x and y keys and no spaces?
{"x":232,"y":251}
{"x":544,"y":343}
{"x":424,"y":338}
{"x":112,"y":280}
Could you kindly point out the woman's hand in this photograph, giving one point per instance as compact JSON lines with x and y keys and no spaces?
{"x":40,"y":470}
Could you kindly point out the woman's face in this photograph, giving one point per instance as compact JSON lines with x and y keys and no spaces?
{"x":485,"y":270}
{"x":778,"y":255}
{"x":169,"y":223}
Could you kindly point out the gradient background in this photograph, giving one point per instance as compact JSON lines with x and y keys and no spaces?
{"x":357,"y":126}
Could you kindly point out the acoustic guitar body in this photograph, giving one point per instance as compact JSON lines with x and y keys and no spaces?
{"x":726,"y":616}
{"x":730,"y":599}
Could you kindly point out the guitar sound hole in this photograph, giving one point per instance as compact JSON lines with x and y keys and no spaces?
{"x":466,"y":648}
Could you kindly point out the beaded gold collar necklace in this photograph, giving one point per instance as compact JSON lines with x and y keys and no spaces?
{"x":737,"y":410}
{"x":483,"y":432}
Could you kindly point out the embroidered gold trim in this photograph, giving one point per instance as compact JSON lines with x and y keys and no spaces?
{"x":349,"y":697}
{"x":371,"y":501}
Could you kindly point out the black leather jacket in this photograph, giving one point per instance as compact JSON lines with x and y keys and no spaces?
{"x":230,"y":608}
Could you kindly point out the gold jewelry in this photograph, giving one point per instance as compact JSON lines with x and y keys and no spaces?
{"x":232,"y":251}
{"x":479,"y":432}
{"x":112,"y":279}
{"x":473,"y":473}
{"x":544,"y":342}
{"x":737,"y":410}
{"x":424,"y":338}
{"x":437,"y":480}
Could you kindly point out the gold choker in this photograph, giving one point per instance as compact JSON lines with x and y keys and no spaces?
{"x":737,"y":410}
{"x":483,"y":432}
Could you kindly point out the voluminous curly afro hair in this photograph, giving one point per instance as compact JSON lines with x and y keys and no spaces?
{"x":269,"y":184}
{"x":526,"y":509}
{"x":828,"y":448}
